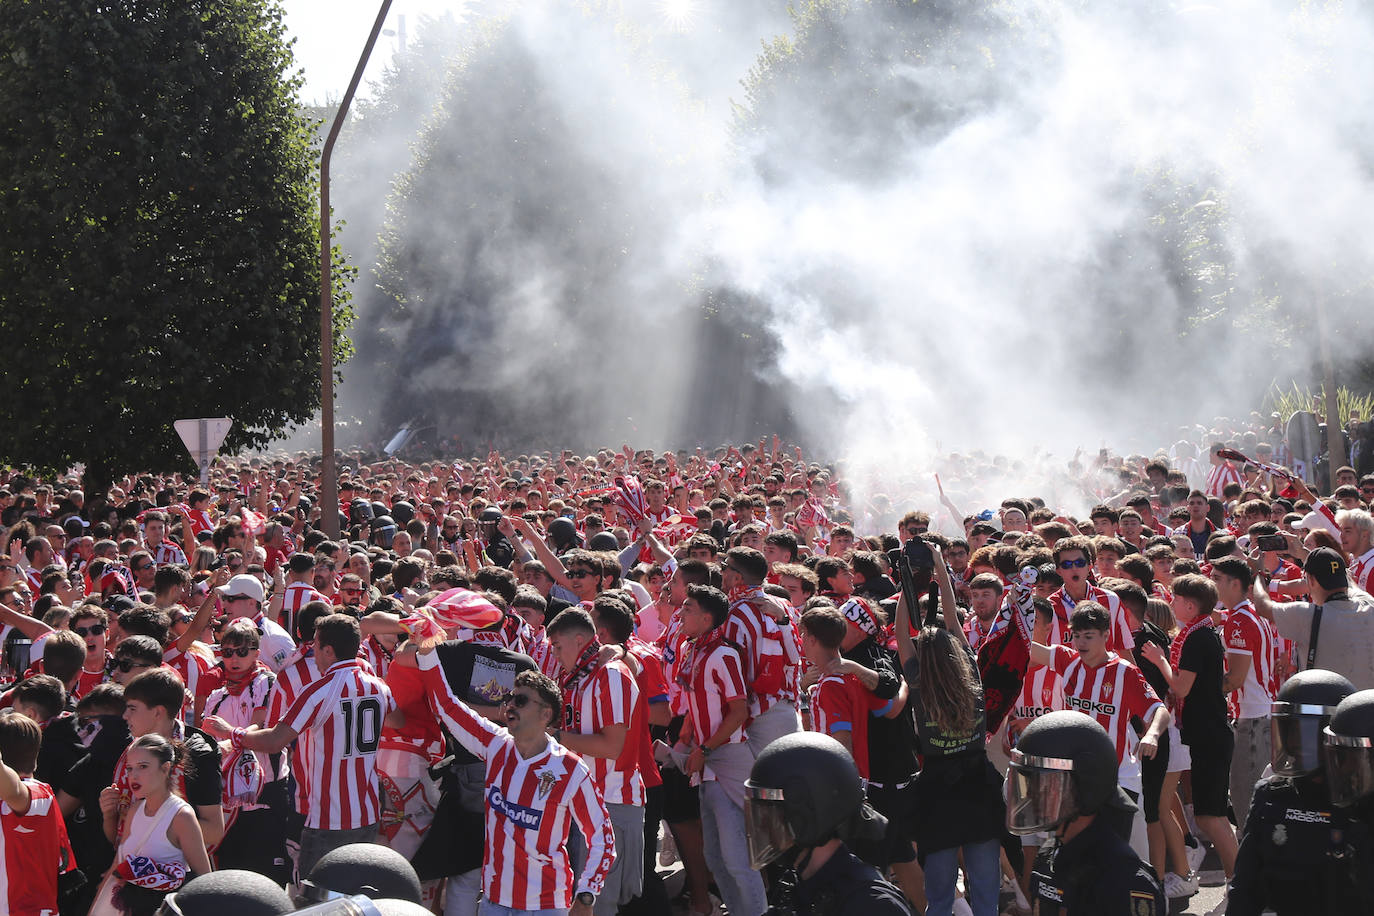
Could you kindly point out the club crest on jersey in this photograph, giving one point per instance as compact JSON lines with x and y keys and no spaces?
{"x":518,"y":814}
{"x":547,"y":779}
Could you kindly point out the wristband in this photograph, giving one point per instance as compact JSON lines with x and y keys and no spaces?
{"x":236,"y":738}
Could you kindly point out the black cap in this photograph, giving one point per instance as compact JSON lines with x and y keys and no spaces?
{"x":1326,"y":567}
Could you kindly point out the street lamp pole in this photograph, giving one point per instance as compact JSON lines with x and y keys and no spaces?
{"x":329,"y":469}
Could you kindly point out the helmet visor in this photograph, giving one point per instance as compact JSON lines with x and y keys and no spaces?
{"x":1040,"y":793}
{"x":1349,"y":767}
{"x":1296,"y":739}
{"x":765,"y":824}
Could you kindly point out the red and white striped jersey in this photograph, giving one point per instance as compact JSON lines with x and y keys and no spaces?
{"x":769,"y":649}
{"x":1362,"y":570}
{"x":541,"y":650}
{"x":839,"y":703}
{"x":977,"y":634}
{"x":192,"y":666}
{"x":377,"y":656}
{"x":652,"y":689}
{"x":717,"y":680}
{"x":1219,"y":476}
{"x":530,"y":806}
{"x":1246,"y":633}
{"x":167,"y":553}
{"x":1119,"y":638}
{"x":338,"y":719}
{"x":1112,"y":693}
{"x":35,"y":850}
{"x":1040,"y":693}
{"x":609,"y":696}
{"x":297,"y":674}
{"x":296,"y":596}
{"x":676,"y":651}
{"x":200,"y":521}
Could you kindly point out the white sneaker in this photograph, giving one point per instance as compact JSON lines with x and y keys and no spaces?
{"x":1195,"y":856}
{"x":1220,"y":908}
{"x":1176,"y":886}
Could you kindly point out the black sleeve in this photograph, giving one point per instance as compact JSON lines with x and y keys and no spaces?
{"x":203,"y":776}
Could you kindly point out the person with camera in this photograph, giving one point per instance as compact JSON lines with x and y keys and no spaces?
{"x":804,"y":796}
{"x":957,"y":804}
{"x":1295,"y":855}
{"x":1062,"y":780}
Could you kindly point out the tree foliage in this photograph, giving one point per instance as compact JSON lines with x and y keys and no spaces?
{"x":159,"y":217}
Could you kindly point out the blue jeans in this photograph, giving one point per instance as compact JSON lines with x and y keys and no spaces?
{"x":727,"y":853}
{"x":488,"y":908}
{"x":982,"y":864}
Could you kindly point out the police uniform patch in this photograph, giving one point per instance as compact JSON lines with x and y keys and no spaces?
{"x":1142,"y":903}
{"x":1280,"y":834}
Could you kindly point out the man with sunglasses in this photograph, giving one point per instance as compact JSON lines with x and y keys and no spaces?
{"x":536,"y":791}
{"x":89,"y":622}
{"x":1073,"y":557}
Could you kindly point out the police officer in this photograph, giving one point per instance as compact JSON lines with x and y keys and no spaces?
{"x":1296,"y":853}
{"x":1348,"y":746}
{"x":803,"y":794}
{"x":1062,"y":780}
{"x":362,"y":868}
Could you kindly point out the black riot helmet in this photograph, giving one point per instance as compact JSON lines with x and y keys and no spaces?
{"x":362,"y":868}
{"x":1349,"y":749}
{"x":383,"y":531}
{"x":402,"y":512}
{"x":1301,"y":710}
{"x":603,"y":541}
{"x":359,"y":511}
{"x":228,"y":893}
{"x":1064,"y":766}
{"x":562,"y":534}
{"x":803,"y":790}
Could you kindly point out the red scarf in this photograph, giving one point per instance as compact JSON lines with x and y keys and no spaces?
{"x":702,"y":647}
{"x":585,"y":665}
{"x":235,"y":684}
{"x":1176,"y":647}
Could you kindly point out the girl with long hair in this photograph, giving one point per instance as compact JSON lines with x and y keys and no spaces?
{"x":957,"y":797}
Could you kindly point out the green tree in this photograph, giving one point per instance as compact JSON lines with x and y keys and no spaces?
{"x":159,"y":217}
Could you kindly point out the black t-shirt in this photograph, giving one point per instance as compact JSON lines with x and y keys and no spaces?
{"x":891,"y":742}
{"x":202,"y":768}
{"x":479,"y":675}
{"x":1148,"y":632}
{"x":59,"y":752}
{"x":1204,"y":709}
{"x":935,"y":742}
{"x":107,"y":737}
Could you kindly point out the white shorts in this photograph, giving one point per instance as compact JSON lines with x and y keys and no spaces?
{"x":1180,"y":759}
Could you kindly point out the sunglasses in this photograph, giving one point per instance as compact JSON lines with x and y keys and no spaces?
{"x":351,"y":591}
{"x":1073,"y":564}
{"x":237,"y":651}
{"x":518,"y":700}
{"x":579,"y":573}
{"x":128,"y":664}
{"x":94,"y":629}
{"x":145,"y":567}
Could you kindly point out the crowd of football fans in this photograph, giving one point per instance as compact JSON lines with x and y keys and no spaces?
{"x":541,"y":678}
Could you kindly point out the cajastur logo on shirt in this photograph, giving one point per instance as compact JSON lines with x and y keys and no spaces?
{"x":521,"y":816}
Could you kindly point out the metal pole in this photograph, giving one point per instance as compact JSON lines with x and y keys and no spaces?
{"x":203,"y":443}
{"x":1335,"y":441}
{"x":329,"y":471}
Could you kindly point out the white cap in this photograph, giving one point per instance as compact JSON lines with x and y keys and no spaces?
{"x":1310,"y":520}
{"x":243,"y":586}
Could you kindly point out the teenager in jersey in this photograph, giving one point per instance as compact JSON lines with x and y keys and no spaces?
{"x":338,"y":719}
{"x":1097,"y":681}
{"x":1250,"y":656}
{"x":537,"y":791}
{"x":1073,"y":558}
{"x":33,"y":839}
{"x":958,"y":809}
{"x":237,"y":690}
{"x":159,"y":828}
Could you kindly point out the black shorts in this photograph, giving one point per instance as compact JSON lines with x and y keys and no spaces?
{"x":895,"y":805}
{"x":1212,"y":774}
{"x":1152,"y":770}
{"x":681,"y":800}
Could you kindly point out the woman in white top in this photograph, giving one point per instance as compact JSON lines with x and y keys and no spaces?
{"x":162,"y":844}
